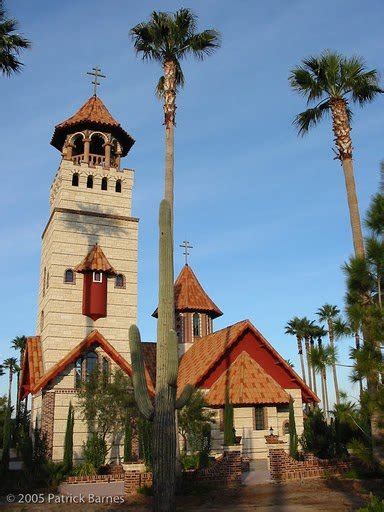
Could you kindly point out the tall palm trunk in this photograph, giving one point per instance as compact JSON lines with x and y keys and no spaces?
{"x":342,"y":131}
{"x":300,"y":350}
{"x":10,"y":387}
{"x":308,"y":350}
{"x":334,"y":370}
{"x":313,"y":372}
{"x":169,"y":107}
{"x":323,"y":394}
{"x":326,"y":405}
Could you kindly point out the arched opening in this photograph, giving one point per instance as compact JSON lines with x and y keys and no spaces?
{"x":75,"y":179}
{"x":69,"y":276}
{"x":104,"y":184}
{"x":77,"y":145}
{"x":96,"y":150}
{"x":196,"y":324}
{"x":118,"y":186}
{"x":90,"y":181}
{"x":114,"y":147}
{"x":119,"y":281}
{"x":286,"y":427}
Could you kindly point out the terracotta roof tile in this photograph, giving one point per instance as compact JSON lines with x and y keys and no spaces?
{"x":32,"y":365}
{"x":93,"y":111}
{"x":149,"y":356}
{"x":94,"y":338}
{"x":95,"y":260}
{"x":92,"y":114}
{"x":190,"y":295}
{"x":247,"y":384}
{"x":205,"y":351}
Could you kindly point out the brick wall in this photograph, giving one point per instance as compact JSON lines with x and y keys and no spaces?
{"x":118,"y":477}
{"x":226,"y":469}
{"x":47,"y":419}
{"x":133,"y":480}
{"x":283,"y":467}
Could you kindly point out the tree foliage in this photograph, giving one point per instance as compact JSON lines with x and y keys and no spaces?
{"x":11,"y":44}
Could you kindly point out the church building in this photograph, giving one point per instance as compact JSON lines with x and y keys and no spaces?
{"x":88,"y":300}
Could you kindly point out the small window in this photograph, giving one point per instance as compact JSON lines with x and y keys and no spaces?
{"x":47,"y":280}
{"x":90,"y":363}
{"x":75,"y":179}
{"x":90,"y":181}
{"x":118,"y":186}
{"x":78,"y":372}
{"x":259,"y":419}
{"x":97,"y":277}
{"x":119,"y":281}
{"x":196,"y":324}
{"x":104,"y":184}
{"x":286,"y":428}
{"x":69,"y":276}
{"x":44,"y":280}
{"x":41,"y":321}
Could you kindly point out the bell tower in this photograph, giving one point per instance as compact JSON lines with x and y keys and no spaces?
{"x":90,"y":240}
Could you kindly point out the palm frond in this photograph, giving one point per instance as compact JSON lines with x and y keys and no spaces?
{"x":311,"y":117}
{"x":201,"y":45}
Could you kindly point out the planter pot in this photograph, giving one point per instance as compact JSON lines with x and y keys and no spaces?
{"x":135,"y":466}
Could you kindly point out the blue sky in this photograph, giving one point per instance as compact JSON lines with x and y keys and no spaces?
{"x":266,"y":211}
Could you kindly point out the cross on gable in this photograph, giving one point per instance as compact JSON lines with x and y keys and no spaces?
{"x":97,"y":74}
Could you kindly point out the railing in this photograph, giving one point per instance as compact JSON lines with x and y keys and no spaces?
{"x":93,"y":160}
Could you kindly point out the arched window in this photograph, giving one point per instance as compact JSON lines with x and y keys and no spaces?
{"x":78,"y":371}
{"x":119,"y":281}
{"x":118,"y":186}
{"x":97,"y":277}
{"x":286,"y":427}
{"x":104,"y":184}
{"x":90,"y":181}
{"x":196,"y":324}
{"x":75,"y":179}
{"x":69,"y":276}
{"x":90,"y":363}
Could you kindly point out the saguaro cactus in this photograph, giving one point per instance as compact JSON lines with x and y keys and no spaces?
{"x":162,"y":411}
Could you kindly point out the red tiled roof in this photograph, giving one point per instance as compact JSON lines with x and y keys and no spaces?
{"x":190,"y":295}
{"x":95,"y":260}
{"x":149,"y":356}
{"x":209,"y":350}
{"x":92,"y":114}
{"x":32,"y":366}
{"x":94,"y":338}
{"x":93,"y":111}
{"x":247,"y":384}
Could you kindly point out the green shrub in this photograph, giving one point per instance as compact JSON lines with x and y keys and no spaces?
{"x":190,"y":461}
{"x":144,"y":428}
{"x":146,"y":490}
{"x":128,"y":441}
{"x":85,"y":469}
{"x":375,"y":505}
{"x":95,"y":451}
{"x":68,"y":440}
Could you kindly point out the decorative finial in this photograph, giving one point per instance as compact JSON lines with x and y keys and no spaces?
{"x":185,"y":245}
{"x":97,"y":74}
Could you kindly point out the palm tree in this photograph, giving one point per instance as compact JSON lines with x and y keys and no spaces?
{"x":19,"y":343}
{"x":168,"y":38}
{"x":330,"y":82}
{"x":321,"y":358}
{"x":317,"y":333}
{"x":328,"y":313}
{"x":307,"y":326}
{"x":295,"y":328}
{"x":11,"y":44}
{"x":11,"y":365}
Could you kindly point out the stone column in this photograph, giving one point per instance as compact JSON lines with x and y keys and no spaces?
{"x":107,"y":162}
{"x":87,"y":143}
{"x":118,"y":157}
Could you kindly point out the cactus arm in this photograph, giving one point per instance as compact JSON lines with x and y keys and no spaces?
{"x":142,"y":397}
{"x":185,"y":396}
{"x":173,"y":358}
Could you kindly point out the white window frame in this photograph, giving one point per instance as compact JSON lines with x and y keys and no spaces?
{"x":94,"y":276}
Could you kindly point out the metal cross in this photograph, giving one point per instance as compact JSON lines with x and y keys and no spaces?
{"x":97,"y":74}
{"x":185,"y":245}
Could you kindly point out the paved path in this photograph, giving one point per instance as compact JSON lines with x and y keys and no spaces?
{"x":259,"y":473}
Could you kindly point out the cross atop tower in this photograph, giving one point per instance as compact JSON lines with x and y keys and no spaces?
{"x":97,"y":74}
{"x":185,"y":245}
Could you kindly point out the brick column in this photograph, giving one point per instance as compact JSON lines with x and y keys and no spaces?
{"x":47,"y":419}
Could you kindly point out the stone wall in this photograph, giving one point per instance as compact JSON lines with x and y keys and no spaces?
{"x":283,"y":467}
